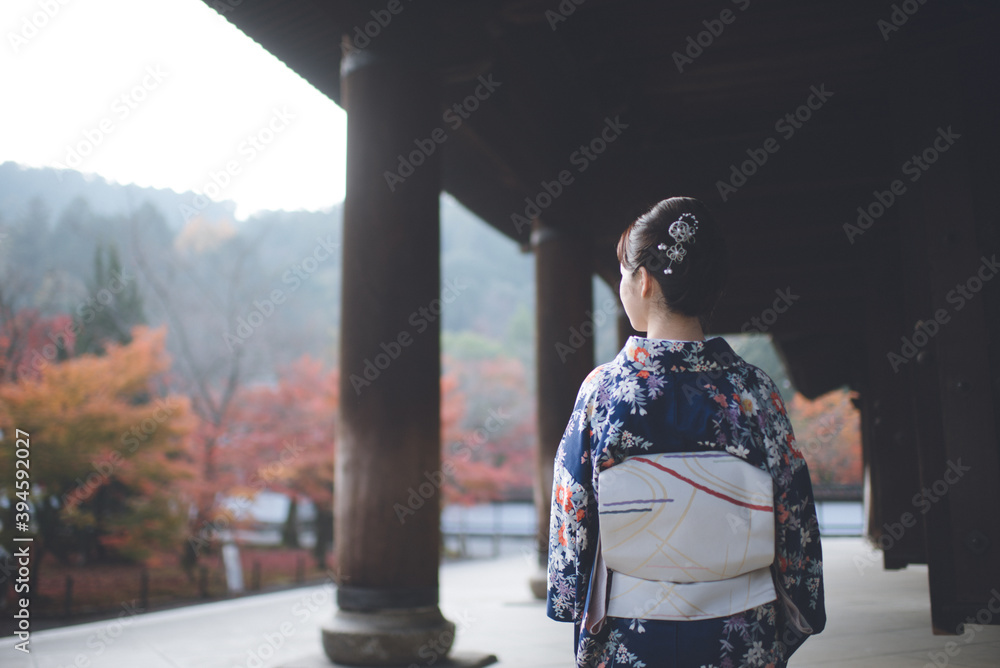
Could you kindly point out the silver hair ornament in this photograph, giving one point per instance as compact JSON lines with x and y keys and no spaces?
{"x":682,"y":230}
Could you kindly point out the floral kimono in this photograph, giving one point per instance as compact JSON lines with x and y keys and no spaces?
{"x":661,"y":396}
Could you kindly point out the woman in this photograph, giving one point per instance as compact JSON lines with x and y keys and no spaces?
{"x":683,"y":531}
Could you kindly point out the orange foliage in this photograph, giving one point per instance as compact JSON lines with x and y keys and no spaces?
{"x":281,"y":437}
{"x":29,"y":343}
{"x":828,"y":432}
{"x":108,"y":453}
{"x":487,"y":435}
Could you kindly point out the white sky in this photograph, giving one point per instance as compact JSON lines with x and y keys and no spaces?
{"x":217,"y":87}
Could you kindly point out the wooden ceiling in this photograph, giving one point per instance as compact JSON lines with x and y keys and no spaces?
{"x":567,"y":66}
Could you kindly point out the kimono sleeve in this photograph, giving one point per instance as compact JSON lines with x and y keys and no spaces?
{"x":573,"y":518}
{"x":798,"y":567}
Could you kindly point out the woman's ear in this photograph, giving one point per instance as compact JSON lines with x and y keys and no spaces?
{"x":646,"y":282}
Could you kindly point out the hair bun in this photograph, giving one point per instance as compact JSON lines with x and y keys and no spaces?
{"x":679,"y":243}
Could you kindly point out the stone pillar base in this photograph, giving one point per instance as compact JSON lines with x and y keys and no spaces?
{"x":388,"y":637}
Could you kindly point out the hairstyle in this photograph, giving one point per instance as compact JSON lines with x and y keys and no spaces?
{"x":696,"y":283}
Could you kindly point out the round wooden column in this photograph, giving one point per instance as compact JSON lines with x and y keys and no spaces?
{"x":388,"y":466}
{"x":564,"y":357}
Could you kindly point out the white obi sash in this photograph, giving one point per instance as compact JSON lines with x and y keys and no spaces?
{"x":686,"y":535}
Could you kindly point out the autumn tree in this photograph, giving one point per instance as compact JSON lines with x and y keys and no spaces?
{"x":108,"y":451}
{"x":282,"y":438}
{"x":827,"y":431}
{"x":488,"y":432}
{"x":196,"y":293}
{"x":30,"y":342}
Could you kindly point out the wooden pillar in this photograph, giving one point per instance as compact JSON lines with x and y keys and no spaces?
{"x":887,"y":427}
{"x":388,"y":464}
{"x":944,"y":91}
{"x":564,"y":356}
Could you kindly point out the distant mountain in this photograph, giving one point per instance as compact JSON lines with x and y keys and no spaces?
{"x":58,"y":188}
{"x":56,"y":221}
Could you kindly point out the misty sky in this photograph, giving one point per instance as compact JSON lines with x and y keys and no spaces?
{"x":164,"y":94}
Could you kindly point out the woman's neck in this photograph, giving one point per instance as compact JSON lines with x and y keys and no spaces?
{"x":674,"y":327}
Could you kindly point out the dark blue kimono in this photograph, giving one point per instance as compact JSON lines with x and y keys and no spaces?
{"x":661,"y":396}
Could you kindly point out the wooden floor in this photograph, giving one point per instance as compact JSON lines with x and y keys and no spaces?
{"x":876,"y":618}
{"x":881,"y":619}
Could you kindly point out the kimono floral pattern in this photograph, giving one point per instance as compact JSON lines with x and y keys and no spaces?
{"x":684,"y":396}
